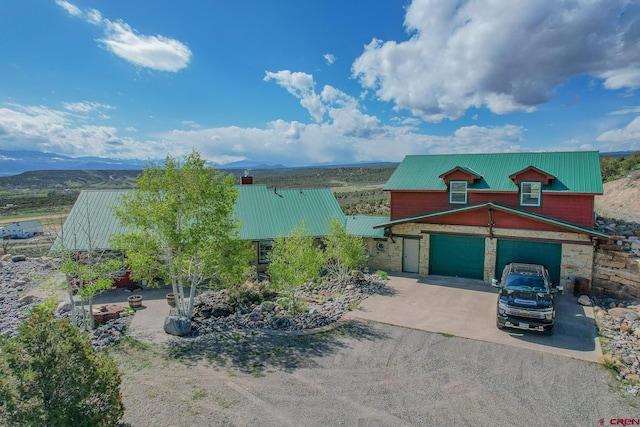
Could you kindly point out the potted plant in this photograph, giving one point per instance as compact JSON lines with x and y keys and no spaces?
{"x":135,"y":301}
{"x":171,"y":300}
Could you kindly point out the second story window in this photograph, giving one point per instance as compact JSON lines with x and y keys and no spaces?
{"x":530,"y":193}
{"x":458,"y":192}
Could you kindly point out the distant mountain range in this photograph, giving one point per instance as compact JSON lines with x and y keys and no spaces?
{"x":16,"y":162}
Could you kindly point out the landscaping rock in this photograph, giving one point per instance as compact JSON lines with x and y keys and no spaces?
{"x":18,"y":258}
{"x":619,"y":312}
{"x":63,"y":307}
{"x":584,"y":300}
{"x":323,"y":306}
{"x":27,"y":300}
{"x":177,"y":325}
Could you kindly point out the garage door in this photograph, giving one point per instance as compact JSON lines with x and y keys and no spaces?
{"x":547,"y":254}
{"x":457,"y":256}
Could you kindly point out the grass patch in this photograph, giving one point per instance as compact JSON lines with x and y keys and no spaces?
{"x":382,"y":274}
{"x":446,"y":335}
{"x":609,"y":361}
{"x":199,"y":394}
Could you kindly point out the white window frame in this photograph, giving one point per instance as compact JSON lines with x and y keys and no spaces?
{"x":458,"y":192}
{"x":264,"y":251}
{"x":531,"y":197}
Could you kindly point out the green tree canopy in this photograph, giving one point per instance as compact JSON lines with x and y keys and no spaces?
{"x":183,"y":228}
{"x":50,"y":375}
{"x":295,"y":261}
{"x":343,"y":251}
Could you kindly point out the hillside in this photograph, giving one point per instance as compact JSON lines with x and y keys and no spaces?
{"x":621,"y":199}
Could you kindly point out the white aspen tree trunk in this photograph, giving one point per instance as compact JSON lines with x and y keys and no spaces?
{"x":192,"y":293}
{"x":174,"y":283}
{"x":91,"y":318}
{"x":74,"y":319}
{"x":84,"y":315}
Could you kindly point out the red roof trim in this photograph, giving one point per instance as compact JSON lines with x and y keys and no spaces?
{"x":532,"y":173}
{"x":460,"y":173}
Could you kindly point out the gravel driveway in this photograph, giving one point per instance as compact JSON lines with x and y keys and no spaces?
{"x":364,"y":374}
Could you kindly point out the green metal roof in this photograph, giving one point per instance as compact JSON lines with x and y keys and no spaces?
{"x":91,"y":222}
{"x":574,"y":172}
{"x":267,"y":214}
{"x":362,"y":225}
{"x":497,"y":206}
{"x":263,"y":214}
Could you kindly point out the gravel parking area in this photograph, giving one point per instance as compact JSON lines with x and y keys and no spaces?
{"x":364,"y":374}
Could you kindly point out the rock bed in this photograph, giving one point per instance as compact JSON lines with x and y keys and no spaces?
{"x":624,"y":234}
{"x":20,"y":275}
{"x":619,"y":324}
{"x":323,"y":306}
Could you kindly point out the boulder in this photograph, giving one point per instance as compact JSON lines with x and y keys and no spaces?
{"x":177,"y":325}
{"x":18,"y":258}
{"x":19,"y":283}
{"x":221,"y":310}
{"x":27,"y":299}
{"x":619,"y":312}
{"x":584,"y":300}
{"x":632,"y":316}
{"x":267,"y":306}
{"x":63,"y":307}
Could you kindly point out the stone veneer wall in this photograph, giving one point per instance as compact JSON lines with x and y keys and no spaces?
{"x":616,"y":273}
{"x":577,"y":251}
{"x":616,"y":270}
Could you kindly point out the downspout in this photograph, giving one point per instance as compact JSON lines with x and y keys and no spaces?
{"x":491,"y":224}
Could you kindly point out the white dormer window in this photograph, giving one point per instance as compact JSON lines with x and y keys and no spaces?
{"x":530,"y":193}
{"x":458,"y":192}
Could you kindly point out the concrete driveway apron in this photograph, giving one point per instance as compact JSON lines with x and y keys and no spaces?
{"x":467,"y":308}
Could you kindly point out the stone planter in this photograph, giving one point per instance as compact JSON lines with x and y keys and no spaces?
{"x":135,"y":301}
{"x":171,"y":300}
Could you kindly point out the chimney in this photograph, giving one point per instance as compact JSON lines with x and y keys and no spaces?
{"x":246,"y":179}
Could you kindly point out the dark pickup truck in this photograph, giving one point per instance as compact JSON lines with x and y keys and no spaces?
{"x":527,"y":298}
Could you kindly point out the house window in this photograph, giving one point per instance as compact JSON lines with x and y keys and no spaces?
{"x":264,"y":251}
{"x":530,"y":193}
{"x":458,"y":192}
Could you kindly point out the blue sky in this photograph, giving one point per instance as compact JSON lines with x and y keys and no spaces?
{"x":300,"y":83}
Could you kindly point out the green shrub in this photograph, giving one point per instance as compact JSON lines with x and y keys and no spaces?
{"x":50,"y":375}
{"x":382,"y":274}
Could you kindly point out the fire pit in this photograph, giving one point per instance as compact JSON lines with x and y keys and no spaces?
{"x":104,"y":313}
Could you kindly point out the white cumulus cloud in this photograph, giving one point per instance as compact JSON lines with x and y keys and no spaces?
{"x":622,"y":139}
{"x":156,"y":52}
{"x":505,"y":55}
{"x":44,"y":129}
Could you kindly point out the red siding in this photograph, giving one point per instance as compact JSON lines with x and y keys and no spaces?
{"x":480,"y":218}
{"x":574,"y":208}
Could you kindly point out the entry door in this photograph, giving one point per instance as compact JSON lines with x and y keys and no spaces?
{"x":411,"y":255}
